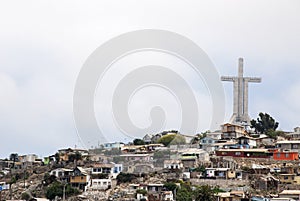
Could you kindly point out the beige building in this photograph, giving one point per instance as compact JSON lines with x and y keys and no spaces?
{"x":233,"y":131}
{"x":289,"y":145}
{"x":294,"y":194}
{"x":287,"y":178}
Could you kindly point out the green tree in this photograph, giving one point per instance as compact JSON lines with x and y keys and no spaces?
{"x":138,"y":142}
{"x":206,"y":193}
{"x":264,"y":124}
{"x":49,"y":179}
{"x":170,"y":186}
{"x":184,"y":193}
{"x":141,"y":191}
{"x":171,"y":139}
{"x":199,"y":137}
{"x":75,"y":157}
{"x":25,"y":196}
{"x":125,"y":177}
{"x":201,"y":169}
{"x":56,"y":189}
{"x":57,"y":157}
{"x":14,"y":157}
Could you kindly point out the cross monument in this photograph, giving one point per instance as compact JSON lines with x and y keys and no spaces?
{"x":240,"y":95}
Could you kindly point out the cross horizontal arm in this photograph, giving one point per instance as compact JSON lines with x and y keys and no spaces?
{"x":228,"y":78}
{"x":253,"y":79}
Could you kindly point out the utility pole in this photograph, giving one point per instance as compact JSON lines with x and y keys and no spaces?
{"x":64,"y":192}
{"x":24,"y":179}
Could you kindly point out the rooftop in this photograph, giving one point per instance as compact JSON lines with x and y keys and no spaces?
{"x":245,"y":150}
{"x":289,"y":142}
{"x":290,"y":192}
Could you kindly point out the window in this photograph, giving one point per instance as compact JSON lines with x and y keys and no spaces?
{"x":278,"y":155}
{"x":286,"y":177}
{"x":238,"y":153}
{"x":210,"y":141}
{"x":287,"y":155}
{"x":203,"y":141}
{"x":115,"y":169}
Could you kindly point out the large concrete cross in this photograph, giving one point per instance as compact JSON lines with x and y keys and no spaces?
{"x":240,"y":95}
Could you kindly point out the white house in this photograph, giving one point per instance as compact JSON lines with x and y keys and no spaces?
{"x":210,"y":172}
{"x":114,"y":145}
{"x":199,"y":153}
{"x":217,"y":135}
{"x":155,"y":188}
{"x":173,"y":164}
{"x":111,"y":169}
{"x":246,"y":141}
{"x":100,"y":184}
{"x":29,"y":158}
{"x":61,"y":173}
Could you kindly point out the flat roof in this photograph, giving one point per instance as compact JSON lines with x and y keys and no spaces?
{"x":155,"y":184}
{"x":103,"y":165}
{"x":288,"y":142}
{"x":218,"y":169}
{"x":290,"y":192}
{"x":191,"y":150}
{"x":245,"y":150}
{"x":135,"y":155}
{"x":224,"y":143}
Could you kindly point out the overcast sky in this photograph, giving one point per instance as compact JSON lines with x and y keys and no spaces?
{"x":43,"y":45}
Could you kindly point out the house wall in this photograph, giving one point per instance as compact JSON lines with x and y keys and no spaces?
{"x":59,"y":173}
{"x":231,"y":174}
{"x":101,"y":184}
{"x":210,"y":172}
{"x":173,"y":166}
{"x":292,"y":146}
{"x":113,"y":145}
{"x":297,"y":180}
{"x":287,"y":178}
{"x":190,"y":163}
{"x":232,"y":131}
{"x":207,"y":140}
{"x":137,"y":158}
{"x":294,"y":196}
{"x":78,"y":179}
{"x":285,"y":156}
{"x":243,"y":154}
{"x":118,"y":168}
{"x":99,"y":170}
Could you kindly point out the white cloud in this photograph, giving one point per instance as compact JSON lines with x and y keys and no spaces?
{"x":44,"y":44}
